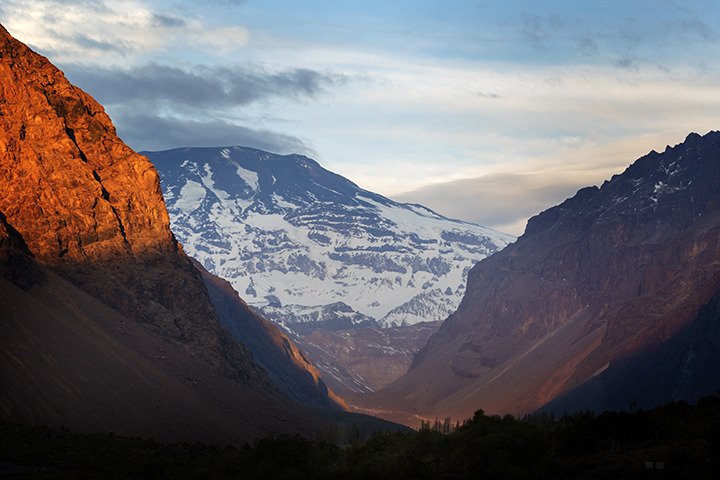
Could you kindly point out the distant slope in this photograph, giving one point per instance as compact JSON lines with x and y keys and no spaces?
{"x":366,"y":359}
{"x":105,"y":323}
{"x":308,"y":249}
{"x":597,"y":283}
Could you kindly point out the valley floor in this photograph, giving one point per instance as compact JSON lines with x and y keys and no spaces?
{"x":676,"y":440}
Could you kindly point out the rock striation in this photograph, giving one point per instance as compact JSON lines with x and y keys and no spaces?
{"x":85,"y":239}
{"x":594,"y":284}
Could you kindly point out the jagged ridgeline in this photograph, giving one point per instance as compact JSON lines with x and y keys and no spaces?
{"x":311,"y":250}
{"x":607,"y":300}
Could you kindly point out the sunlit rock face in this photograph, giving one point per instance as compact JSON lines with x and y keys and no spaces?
{"x":87,"y":205}
{"x":70,"y":185}
{"x":610,"y":274}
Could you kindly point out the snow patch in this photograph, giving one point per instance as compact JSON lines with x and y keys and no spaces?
{"x":191,"y":196}
{"x":249,"y":177}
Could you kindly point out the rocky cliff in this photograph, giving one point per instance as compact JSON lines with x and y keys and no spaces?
{"x":85,"y":240}
{"x":610,"y":274}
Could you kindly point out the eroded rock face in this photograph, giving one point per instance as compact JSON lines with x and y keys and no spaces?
{"x":72,"y":188}
{"x":77,"y":199}
{"x":609,"y":274}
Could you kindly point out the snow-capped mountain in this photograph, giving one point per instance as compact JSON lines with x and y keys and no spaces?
{"x":310,"y":249}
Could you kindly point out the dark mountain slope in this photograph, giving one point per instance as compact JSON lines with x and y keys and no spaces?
{"x":70,"y":360}
{"x":607,"y":274}
{"x":684,"y":365}
{"x":86,"y":245}
{"x":286,"y":364}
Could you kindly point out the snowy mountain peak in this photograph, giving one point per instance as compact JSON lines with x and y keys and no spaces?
{"x":291,"y":235}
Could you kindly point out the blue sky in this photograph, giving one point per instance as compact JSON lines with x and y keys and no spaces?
{"x":486,"y":111}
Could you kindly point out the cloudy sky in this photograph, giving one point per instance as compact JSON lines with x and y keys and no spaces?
{"x":488,"y":111}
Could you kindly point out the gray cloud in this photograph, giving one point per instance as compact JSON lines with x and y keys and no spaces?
{"x":156,"y":107}
{"x":91,"y":44}
{"x":151,"y":132}
{"x":168,"y":21}
{"x":626,"y":62}
{"x":695,"y":28}
{"x":203,"y":86}
{"x":501,"y":201}
{"x":587,"y":45}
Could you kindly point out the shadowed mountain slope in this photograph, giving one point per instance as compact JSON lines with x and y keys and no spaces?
{"x":286,"y":364}
{"x":106,"y":323}
{"x":609,"y":275}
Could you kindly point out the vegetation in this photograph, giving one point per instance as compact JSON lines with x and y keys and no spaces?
{"x":681,"y":438}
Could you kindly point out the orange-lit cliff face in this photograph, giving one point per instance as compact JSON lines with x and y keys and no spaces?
{"x":71,"y":187}
{"x":105,"y":324}
{"x":87,"y":205}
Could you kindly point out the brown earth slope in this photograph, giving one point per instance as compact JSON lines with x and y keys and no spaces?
{"x":87,"y":250}
{"x":612,"y":272}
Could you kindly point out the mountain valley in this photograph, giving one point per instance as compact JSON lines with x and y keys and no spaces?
{"x":227,"y":294}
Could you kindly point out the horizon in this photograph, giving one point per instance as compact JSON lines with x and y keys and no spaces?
{"x":481,"y":111}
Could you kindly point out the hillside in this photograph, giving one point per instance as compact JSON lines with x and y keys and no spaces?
{"x":601,"y":283}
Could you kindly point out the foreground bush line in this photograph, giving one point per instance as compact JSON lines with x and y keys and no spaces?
{"x":676,"y":440}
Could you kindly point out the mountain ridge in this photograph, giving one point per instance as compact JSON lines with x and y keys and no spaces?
{"x":285,"y":363}
{"x":608,"y":273}
{"x":312,"y":239}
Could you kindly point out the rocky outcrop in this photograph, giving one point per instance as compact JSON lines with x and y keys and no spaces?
{"x":286,"y":364}
{"x":609,"y":274}
{"x":81,"y":212}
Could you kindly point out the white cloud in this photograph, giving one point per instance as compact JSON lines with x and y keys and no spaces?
{"x":111,"y":31}
{"x":219,"y":40}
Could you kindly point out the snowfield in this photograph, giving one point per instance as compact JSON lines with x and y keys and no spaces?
{"x":307,"y":248}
